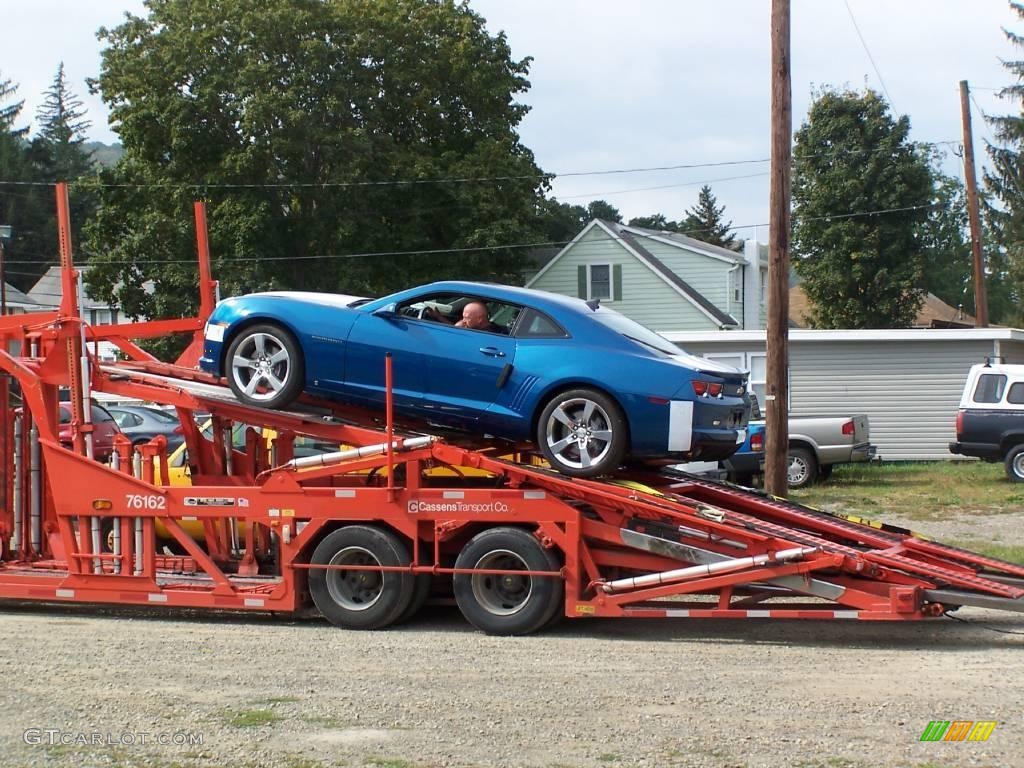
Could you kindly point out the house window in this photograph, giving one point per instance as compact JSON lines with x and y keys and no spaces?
{"x":599,"y":281}
{"x":764,"y":286}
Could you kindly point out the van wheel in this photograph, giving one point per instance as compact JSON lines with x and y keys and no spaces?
{"x":803,"y":468}
{"x":1015,"y":464}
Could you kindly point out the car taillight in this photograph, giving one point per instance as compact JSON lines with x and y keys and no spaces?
{"x":757,"y":442}
{"x":959,"y":423}
{"x":707,"y":388}
{"x":848,"y":428}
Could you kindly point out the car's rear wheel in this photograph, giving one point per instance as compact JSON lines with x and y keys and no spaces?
{"x":264,"y":366}
{"x":582,"y":433}
{"x":802,"y":469}
{"x":1015,"y":464}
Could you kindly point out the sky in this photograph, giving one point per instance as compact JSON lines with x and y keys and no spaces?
{"x":620,"y":86}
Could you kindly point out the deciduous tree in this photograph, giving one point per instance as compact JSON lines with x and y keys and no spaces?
{"x":861,"y":195}
{"x":318,"y":132}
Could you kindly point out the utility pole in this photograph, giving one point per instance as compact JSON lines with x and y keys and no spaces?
{"x":777,"y":384}
{"x":980,"y":294}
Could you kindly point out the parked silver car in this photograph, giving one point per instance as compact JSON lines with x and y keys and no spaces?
{"x":142,"y":424}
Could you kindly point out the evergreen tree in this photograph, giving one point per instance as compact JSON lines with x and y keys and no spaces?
{"x":1004,"y":211}
{"x":17,"y":207}
{"x":861,"y":196}
{"x":58,"y":148}
{"x":706,"y":223}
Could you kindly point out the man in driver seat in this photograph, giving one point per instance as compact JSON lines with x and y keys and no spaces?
{"x":474,"y":316}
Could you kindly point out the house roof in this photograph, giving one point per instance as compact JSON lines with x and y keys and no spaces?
{"x":934,"y":313}
{"x":47,"y":291}
{"x":671,"y":277}
{"x":631,"y":238}
{"x":674,"y":238}
{"x":14,"y":296}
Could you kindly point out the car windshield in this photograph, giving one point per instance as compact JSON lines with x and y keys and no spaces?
{"x":633,"y":331}
{"x":164,"y":416}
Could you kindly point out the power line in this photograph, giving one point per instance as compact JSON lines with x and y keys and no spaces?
{"x":466,"y":249}
{"x":449,"y":180}
{"x":868,"y":52}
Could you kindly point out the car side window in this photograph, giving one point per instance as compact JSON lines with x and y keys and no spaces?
{"x":990,"y":388}
{"x":125,"y":419}
{"x":1016,"y":393}
{"x":537,"y":325}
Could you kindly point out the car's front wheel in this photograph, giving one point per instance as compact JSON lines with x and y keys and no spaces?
{"x":582,"y":433}
{"x":264,"y":366}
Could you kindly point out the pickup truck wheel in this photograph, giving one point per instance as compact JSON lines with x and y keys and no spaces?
{"x":803,"y":468}
{"x":1015,"y":464}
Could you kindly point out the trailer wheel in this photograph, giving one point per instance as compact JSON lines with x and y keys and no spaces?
{"x":582,"y":433}
{"x":1015,"y":464}
{"x":264,"y":366}
{"x":803,"y":468}
{"x":507,"y":604}
{"x":360,"y":599}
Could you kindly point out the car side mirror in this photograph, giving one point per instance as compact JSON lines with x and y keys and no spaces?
{"x":387,"y":311}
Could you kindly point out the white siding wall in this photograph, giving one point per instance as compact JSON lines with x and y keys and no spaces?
{"x":910,"y":390}
{"x":646,"y":297}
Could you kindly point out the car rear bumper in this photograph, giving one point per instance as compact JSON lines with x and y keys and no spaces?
{"x":745,"y":463}
{"x":978,"y":450}
{"x":865,"y":452}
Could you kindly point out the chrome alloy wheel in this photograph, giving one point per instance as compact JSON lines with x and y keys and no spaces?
{"x":579,"y":433}
{"x":261,"y":366}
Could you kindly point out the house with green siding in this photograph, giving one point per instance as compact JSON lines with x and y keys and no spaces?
{"x":664,"y":280}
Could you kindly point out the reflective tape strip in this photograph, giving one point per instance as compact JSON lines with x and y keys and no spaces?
{"x":344,"y":493}
{"x":189,"y":517}
{"x":534,"y":495}
{"x":453,"y":495}
{"x":759,"y":614}
{"x":845,"y":614}
{"x":254,"y":602}
{"x":156,"y":597}
{"x":65,"y":593}
{"x":681,"y":613}
{"x":680,"y":425}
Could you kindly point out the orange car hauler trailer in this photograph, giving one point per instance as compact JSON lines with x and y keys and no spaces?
{"x":368,"y":533}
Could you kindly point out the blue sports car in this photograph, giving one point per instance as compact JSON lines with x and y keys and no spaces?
{"x":588,"y":385}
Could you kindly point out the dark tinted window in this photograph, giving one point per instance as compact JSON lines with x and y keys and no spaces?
{"x":1016,"y":394}
{"x":99,"y":415}
{"x":535,"y":325}
{"x":989,"y":388}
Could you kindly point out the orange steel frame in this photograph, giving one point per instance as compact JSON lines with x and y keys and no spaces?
{"x":261,"y":518}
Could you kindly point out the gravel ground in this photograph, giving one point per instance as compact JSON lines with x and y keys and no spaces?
{"x":263,"y":691}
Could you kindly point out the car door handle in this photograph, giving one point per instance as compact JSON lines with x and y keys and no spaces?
{"x":492,"y":351}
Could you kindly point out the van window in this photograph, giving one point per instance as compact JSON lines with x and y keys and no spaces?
{"x":989,"y":388}
{"x":1016,"y":393}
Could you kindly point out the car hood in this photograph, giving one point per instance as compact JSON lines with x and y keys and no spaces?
{"x":311,"y":297}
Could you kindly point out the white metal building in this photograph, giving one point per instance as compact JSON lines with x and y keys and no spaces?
{"x":908,"y":382}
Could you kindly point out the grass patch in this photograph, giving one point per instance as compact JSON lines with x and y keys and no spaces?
{"x":385,"y":762}
{"x":300,"y":761}
{"x":1012,"y":554}
{"x":253,"y":718}
{"x":324,"y":721}
{"x":609,"y":757}
{"x":915,"y":490}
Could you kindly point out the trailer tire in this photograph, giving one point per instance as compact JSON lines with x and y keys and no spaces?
{"x":361,"y":599}
{"x":273,"y":357}
{"x":507,"y":604}
{"x":802,"y":469}
{"x":1014,"y":464}
{"x":420,"y":593}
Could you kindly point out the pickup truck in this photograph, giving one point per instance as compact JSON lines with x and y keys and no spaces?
{"x":990,"y":420}
{"x":816,"y":444}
